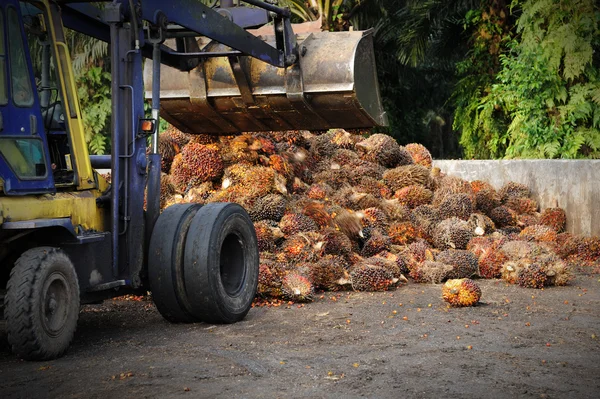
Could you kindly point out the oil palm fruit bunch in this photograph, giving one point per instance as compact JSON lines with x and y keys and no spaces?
{"x":461,"y":292}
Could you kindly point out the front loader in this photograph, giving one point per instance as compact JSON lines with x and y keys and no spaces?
{"x":70,"y":237}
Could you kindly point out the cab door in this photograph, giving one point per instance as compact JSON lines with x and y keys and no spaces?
{"x":24,"y":156}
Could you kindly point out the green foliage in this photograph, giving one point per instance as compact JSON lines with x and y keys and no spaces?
{"x":93,"y":88}
{"x":543,"y":102}
{"x":417,"y":44}
{"x":95,"y":100}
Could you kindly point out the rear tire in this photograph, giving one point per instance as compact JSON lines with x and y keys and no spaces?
{"x":165,"y":262}
{"x":42,"y":304}
{"x":221,"y":263}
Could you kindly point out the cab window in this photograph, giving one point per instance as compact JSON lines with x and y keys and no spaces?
{"x":3,"y":88}
{"x":25,"y":156}
{"x":22,"y":94}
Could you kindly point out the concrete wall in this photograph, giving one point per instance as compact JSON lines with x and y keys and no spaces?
{"x":572,"y":185}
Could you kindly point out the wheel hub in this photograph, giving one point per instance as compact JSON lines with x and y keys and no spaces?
{"x":56,"y":297}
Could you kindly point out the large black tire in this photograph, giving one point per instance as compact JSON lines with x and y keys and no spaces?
{"x":221,"y":263}
{"x":165,"y":262}
{"x":42,"y":304}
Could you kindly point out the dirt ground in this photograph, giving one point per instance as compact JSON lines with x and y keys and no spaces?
{"x":407,"y":343}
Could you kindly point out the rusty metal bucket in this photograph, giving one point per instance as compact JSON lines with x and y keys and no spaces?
{"x":334,"y":85}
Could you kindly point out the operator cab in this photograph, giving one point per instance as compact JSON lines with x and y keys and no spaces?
{"x":34,"y":144}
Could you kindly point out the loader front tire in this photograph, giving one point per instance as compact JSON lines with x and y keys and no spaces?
{"x":165,"y":262}
{"x":221,"y":263}
{"x":42,"y":304}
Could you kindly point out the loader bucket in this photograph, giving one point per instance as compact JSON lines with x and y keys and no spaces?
{"x":334,"y":85}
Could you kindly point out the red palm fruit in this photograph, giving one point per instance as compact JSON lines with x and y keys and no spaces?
{"x":419,"y":154}
{"x":461,"y":292}
{"x":555,"y":218}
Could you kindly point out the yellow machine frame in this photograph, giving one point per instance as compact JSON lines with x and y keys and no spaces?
{"x":77,"y":201}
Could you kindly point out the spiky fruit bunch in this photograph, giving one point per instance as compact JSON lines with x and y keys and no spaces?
{"x":426,"y":217}
{"x":348,"y":223}
{"x":388,"y":264}
{"x":397,"y":258}
{"x":384,"y":150}
{"x":402,"y":233}
{"x":301,"y":247}
{"x":175,"y":135}
{"x":413,"y":196}
{"x":503,"y":216}
{"x":298,"y":186}
{"x":336,"y":178}
{"x":481,"y":224}
{"x":291,"y":137}
{"x":167,"y":148}
{"x":451,"y":185}
{"x":264,"y":236}
{"x":522,"y":205}
{"x":376,"y":243}
{"x":367,"y":277}
{"x":461,"y":292}
{"x":513,"y":190}
{"x":317,"y":212}
{"x":336,"y":243}
{"x":452,"y":233}
{"x":456,"y":205}
{"x":374,"y":187}
{"x":490,"y":263}
{"x":235,"y":174}
{"x":261,"y":181}
{"x":511,"y":232}
{"x":329,"y":273}
{"x":396,"y":212}
{"x":319,"y":191}
{"x":511,"y":269}
{"x":480,"y":245}
{"x":526,"y":220}
{"x":364,"y":169}
{"x":199,"y":163}
{"x":203,"y":139}
{"x":200,"y":194}
{"x":167,"y":189}
{"x":358,"y":201}
{"x":566,"y":244}
{"x":589,"y":249}
{"x":343,"y":139}
{"x":558,"y":273}
{"x":375,"y":217}
{"x":478,"y":185}
{"x":292,"y":223}
{"x":343,"y":157}
{"x":555,"y":218}
{"x":419,"y":154}
{"x":406,"y":175}
{"x":430,"y":272}
{"x":486,"y":200}
{"x":464,"y":263}
{"x":323,"y":145}
{"x":270,"y":276}
{"x":231,"y":194}
{"x":269,"y":207}
{"x":180,"y":175}
{"x":418,"y":252}
{"x":239,"y":149}
{"x":281,"y":165}
{"x":532,"y":276}
{"x":516,"y":250}
{"x":264,"y":144}
{"x":297,"y":288}
{"x":539,"y":232}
